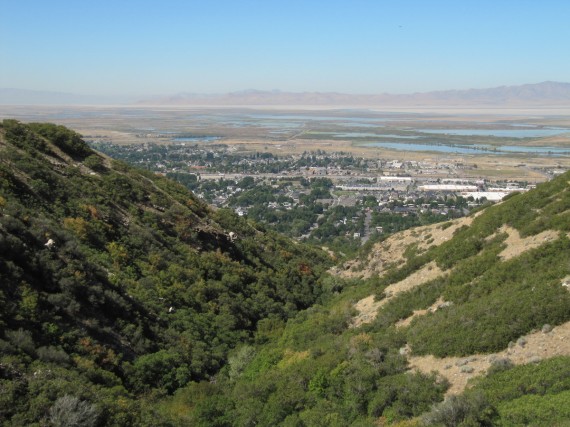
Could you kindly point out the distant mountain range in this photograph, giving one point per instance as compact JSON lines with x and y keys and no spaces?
{"x":543,"y":94}
{"x":540,"y":94}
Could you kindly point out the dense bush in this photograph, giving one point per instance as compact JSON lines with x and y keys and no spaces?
{"x":123,"y":279}
{"x":501,"y":303}
{"x":66,"y":139}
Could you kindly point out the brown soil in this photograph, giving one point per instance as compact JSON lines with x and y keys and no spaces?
{"x":368,"y":308}
{"x":391,"y":251}
{"x":516,"y":244}
{"x":531,"y":348}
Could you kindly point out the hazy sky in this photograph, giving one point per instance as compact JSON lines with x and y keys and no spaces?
{"x":208,"y":46}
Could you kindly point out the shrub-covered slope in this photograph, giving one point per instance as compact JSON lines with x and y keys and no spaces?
{"x":118,"y":286}
{"x":126,"y":301}
{"x":469,"y":299}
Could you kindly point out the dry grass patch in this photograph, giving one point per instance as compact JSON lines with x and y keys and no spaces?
{"x":368,"y":307}
{"x":391,"y":252}
{"x":528,"y":349}
{"x":432,"y":309}
{"x":516,"y":244}
{"x":367,"y":311}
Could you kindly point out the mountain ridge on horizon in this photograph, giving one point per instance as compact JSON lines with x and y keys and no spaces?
{"x":547,"y":93}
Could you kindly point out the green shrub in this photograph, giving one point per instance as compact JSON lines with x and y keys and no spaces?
{"x":69,"y":141}
{"x":53,"y":354}
{"x":465,"y":410}
{"x":536,"y":410}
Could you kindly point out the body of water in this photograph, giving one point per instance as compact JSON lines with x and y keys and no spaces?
{"x":197,"y":139}
{"x":428,"y":147}
{"x":501,"y":133}
{"x":479,"y":149}
{"x":372,"y":135}
{"x":556,"y":151}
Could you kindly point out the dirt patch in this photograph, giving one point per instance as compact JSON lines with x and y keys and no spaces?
{"x":368,"y":308}
{"x":429,"y":272}
{"x":531,"y":348}
{"x":391,"y":251}
{"x":432,"y":309}
{"x":517,"y":244}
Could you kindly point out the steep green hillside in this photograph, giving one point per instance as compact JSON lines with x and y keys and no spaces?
{"x":491,"y":296}
{"x":119,"y":286}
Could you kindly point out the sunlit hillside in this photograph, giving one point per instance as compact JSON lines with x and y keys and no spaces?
{"x":460,"y":323}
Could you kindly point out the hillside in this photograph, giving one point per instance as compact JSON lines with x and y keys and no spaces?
{"x":119,"y":286}
{"x":461,"y":323}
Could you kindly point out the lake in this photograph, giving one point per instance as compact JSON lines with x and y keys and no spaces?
{"x":371,"y":135}
{"x":479,"y":149}
{"x":501,"y":133}
{"x":197,"y":139}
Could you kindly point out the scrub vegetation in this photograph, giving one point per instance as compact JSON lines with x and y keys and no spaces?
{"x":125,"y":300}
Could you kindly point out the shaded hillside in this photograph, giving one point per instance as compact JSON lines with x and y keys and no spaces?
{"x":118,"y":286}
{"x":481,"y":301}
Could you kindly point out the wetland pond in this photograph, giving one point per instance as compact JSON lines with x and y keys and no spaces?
{"x":525,"y":132}
{"x":197,"y":138}
{"x":471,"y":149}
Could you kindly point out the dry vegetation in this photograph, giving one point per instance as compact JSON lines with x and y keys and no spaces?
{"x":516,"y":244}
{"x":531,"y":348}
{"x":368,"y":307}
{"x":391,"y":252}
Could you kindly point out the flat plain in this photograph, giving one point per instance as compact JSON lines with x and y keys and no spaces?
{"x":515,"y":144}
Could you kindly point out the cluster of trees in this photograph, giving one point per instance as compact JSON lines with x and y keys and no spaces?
{"x":219,"y":158}
{"x":120,"y":286}
{"x":311,"y":372}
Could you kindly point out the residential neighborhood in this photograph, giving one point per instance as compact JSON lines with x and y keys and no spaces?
{"x":336,"y":198}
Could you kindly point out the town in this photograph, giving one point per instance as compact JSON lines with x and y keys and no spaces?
{"x":331,"y":199}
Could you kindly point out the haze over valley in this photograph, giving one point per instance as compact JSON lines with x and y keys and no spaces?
{"x":545,"y":94}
